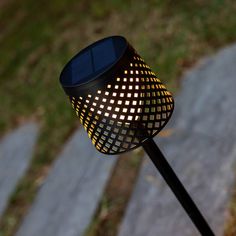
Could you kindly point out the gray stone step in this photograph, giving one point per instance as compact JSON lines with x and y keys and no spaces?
{"x":68,"y":199}
{"x":16,"y":151}
{"x":202,"y":151}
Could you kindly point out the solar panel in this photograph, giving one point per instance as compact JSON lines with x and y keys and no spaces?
{"x":92,"y":61}
{"x":103,"y":54}
{"x":81,"y":67}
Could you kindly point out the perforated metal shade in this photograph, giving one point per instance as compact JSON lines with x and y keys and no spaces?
{"x":118,"y":99}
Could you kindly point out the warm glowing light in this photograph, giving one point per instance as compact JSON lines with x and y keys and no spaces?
{"x":93,"y":141}
{"x":130,"y":117}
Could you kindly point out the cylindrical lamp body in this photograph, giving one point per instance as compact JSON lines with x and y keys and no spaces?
{"x":121,"y":105}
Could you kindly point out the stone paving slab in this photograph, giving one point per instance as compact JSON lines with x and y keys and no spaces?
{"x":202,"y":151}
{"x":16,"y":151}
{"x":207,"y":100}
{"x":68,"y":199}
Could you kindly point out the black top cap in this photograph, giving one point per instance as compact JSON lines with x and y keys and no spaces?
{"x":93,"y":63}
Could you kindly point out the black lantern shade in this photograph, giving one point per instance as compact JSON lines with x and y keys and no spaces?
{"x":122,"y":105}
{"x":119,"y":100}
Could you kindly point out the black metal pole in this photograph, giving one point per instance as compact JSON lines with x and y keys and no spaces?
{"x":177,"y":187}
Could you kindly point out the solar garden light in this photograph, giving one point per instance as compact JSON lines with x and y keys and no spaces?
{"x":123,"y":105}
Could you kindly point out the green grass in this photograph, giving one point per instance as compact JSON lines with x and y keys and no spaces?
{"x":116,"y":195}
{"x":38,"y":37}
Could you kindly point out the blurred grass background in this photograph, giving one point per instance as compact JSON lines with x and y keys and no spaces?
{"x":38,"y":37}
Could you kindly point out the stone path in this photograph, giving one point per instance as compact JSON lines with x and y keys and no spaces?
{"x":202,"y":151}
{"x":16,"y":151}
{"x":68,"y":199}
